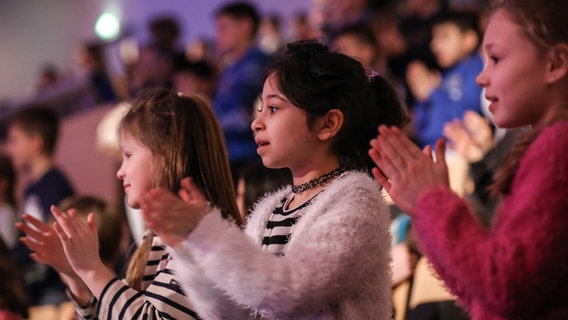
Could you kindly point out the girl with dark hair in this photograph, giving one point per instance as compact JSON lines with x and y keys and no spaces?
{"x":164,"y":138}
{"x":518,"y":268}
{"x":319,"y":249}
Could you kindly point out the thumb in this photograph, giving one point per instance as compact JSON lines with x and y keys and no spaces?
{"x":189,"y":186}
{"x":91,"y":222}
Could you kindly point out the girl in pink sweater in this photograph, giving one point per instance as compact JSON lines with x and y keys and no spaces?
{"x":519,"y":268}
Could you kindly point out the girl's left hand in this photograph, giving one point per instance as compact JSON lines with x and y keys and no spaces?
{"x":80,"y":240}
{"x":406,"y":171}
{"x":170,"y":217}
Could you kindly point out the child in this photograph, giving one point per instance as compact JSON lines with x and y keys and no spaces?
{"x":13,"y":301}
{"x":517,"y":269}
{"x":32,"y":138}
{"x":164,"y":138}
{"x":455,"y":39}
{"x":240,"y":81}
{"x":318,"y":249}
{"x":357,"y":41}
{"x":7,"y":201}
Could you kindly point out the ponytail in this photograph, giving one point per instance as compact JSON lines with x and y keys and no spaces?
{"x":137,"y":265}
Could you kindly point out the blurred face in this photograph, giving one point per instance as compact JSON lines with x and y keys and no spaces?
{"x":281,"y":131}
{"x":349,"y":46}
{"x":448,"y":44}
{"x":230,"y":33}
{"x":514,"y":74}
{"x":21,"y":147}
{"x":136,"y":170}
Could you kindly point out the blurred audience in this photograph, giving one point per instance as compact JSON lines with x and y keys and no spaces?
{"x":442,"y":97}
{"x":240,"y":81}
{"x":13,"y":301}
{"x":8,"y":205}
{"x":32,"y":139}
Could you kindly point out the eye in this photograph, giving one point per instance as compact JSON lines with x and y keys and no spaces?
{"x":126,"y":155}
{"x":494,"y":59}
{"x":272,"y":109}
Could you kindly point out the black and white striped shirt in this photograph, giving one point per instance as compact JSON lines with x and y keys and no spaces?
{"x":161,"y":296}
{"x":280,"y":224}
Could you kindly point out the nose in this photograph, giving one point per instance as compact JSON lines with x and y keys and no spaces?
{"x":257,"y":124}
{"x":482,"y":78}
{"x":120,"y":173}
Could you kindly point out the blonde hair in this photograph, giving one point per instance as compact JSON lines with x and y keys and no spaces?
{"x":186,"y":141}
{"x":544,"y":24}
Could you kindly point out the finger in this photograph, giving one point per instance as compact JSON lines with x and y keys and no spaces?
{"x":428,"y":151}
{"x":38,"y":224}
{"x":91,"y":223}
{"x":440,"y":151}
{"x":29,"y":231}
{"x":407,"y":147}
{"x":189,"y":185}
{"x":60,"y":232}
{"x":381,"y":179}
{"x":32,"y":245}
{"x":64,"y":221}
{"x":184,"y":195}
{"x":387,"y":146}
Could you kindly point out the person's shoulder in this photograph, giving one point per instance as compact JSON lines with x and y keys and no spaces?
{"x":354,"y":179}
{"x":554,"y":135}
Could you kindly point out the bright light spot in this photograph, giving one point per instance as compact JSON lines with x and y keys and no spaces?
{"x":107,"y":26}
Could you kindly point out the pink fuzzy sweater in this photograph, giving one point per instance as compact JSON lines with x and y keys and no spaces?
{"x":519,"y":268}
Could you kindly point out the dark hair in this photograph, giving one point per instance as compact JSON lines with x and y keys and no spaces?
{"x":201,"y":69}
{"x":544,"y":24}
{"x":317,"y":80}
{"x":7,"y":172}
{"x":12,"y":290}
{"x":464,"y":20}
{"x":39,"y":120}
{"x":360,"y":31}
{"x":240,"y":11}
{"x":165,"y":30}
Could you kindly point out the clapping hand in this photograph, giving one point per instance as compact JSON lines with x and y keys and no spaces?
{"x":173,"y":218}
{"x":406,"y":171}
{"x":472,"y":138}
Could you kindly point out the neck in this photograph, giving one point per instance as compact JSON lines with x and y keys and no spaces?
{"x":39,"y":167}
{"x":239,"y":51}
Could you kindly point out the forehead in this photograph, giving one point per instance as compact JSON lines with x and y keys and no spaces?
{"x":502,"y":31}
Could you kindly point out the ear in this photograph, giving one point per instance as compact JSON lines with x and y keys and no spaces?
{"x":470,"y":40}
{"x":558,"y":63}
{"x":330,"y":124}
{"x":36,"y":141}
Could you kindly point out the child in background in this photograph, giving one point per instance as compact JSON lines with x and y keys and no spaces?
{"x":194,"y":149}
{"x":358,"y":42}
{"x":319,"y":249}
{"x":442,"y":98}
{"x":32,"y":139}
{"x":13,"y":301}
{"x":8,"y":205}
{"x":517,"y":269}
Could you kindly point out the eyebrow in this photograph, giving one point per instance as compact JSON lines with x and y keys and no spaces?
{"x":276,"y":96}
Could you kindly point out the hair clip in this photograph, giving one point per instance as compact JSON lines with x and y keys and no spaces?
{"x":371,"y":74}
{"x":180,"y":94}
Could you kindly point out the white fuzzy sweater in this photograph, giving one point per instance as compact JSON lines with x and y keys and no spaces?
{"x":337,"y":263}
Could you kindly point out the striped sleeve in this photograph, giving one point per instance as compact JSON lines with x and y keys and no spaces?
{"x":161,"y":297}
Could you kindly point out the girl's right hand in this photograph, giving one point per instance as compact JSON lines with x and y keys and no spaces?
{"x":45,"y":244}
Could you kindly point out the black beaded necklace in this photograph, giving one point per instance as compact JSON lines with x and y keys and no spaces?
{"x":318,"y":181}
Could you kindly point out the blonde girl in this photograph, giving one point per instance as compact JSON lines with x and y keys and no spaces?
{"x":165,"y":138}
